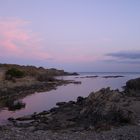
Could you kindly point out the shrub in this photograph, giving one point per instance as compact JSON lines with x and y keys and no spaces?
{"x":14,"y":73}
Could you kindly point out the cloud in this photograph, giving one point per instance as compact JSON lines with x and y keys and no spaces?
{"x":18,"y":42}
{"x":119,"y":61}
{"x":126,"y":55}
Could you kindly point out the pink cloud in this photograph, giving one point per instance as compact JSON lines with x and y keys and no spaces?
{"x":17,"y":41}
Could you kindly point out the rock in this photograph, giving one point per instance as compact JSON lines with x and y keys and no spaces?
{"x":54,"y":109}
{"x":80,"y":99}
{"x":60,"y":103}
{"x":101,"y":110}
{"x":25,"y":118}
{"x":73,"y":74}
{"x":15,"y":105}
{"x":132,"y":87}
{"x":116,"y":76}
{"x":89,"y":76}
{"x":71,"y":103}
{"x":103,"y":106}
{"x":11,"y":119}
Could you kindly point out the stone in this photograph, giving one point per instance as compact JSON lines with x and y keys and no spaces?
{"x":132,"y":87}
{"x":60,"y":103}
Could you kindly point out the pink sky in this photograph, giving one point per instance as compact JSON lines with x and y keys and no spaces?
{"x":18,"y":41}
{"x":79,"y":35}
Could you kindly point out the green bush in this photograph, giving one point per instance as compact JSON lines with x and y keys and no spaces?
{"x":14,"y":73}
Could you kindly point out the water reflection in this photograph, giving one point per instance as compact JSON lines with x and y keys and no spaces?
{"x":43,"y":101}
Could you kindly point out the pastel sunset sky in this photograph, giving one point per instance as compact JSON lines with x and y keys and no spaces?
{"x":74,"y":35}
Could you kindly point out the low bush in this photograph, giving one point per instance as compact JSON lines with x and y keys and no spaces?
{"x":14,"y":73}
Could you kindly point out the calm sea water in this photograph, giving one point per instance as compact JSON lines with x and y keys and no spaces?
{"x":45,"y":100}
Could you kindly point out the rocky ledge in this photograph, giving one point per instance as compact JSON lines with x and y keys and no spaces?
{"x":102,"y":110}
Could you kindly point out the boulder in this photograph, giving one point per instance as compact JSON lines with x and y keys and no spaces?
{"x":104,"y":106}
{"x":132,"y":87}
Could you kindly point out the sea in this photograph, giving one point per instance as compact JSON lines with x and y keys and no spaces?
{"x":39,"y":102}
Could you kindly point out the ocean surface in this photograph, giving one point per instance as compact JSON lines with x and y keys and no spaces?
{"x":38,"y":102}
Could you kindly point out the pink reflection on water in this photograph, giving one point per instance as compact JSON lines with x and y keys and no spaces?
{"x":44,"y":101}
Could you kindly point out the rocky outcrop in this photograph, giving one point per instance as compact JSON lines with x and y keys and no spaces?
{"x":99,"y":111}
{"x":132,"y":87}
{"x":105,"y":107}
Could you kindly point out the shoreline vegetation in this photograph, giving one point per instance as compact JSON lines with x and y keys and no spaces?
{"x":105,"y":115}
{"x":19,"y":81}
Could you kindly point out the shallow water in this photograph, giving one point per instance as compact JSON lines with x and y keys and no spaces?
{"x":44,"y":101}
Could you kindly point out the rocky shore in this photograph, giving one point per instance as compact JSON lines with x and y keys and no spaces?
{"x":18,"y":81}
{"x":103,"y":115}
{"x":102,"y":110}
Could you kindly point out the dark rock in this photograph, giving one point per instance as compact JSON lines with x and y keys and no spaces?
{"x":116,"y":76}
{"x":60,"y":103}
{"x":132,"y":87}
{"x":72,"y":74}
{"x":26,"y":118}
{"x":89,"y":76}
{"x":102,"y":107}
{"x":11,"y":119}
{"x":53,"y":109}
{"x":99,"y":111}
{"x":71,"y":102}
{"x":15,"y":105}
{"x":80,"y":100}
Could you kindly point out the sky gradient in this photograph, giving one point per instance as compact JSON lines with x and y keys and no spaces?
{"x":75,"y":35}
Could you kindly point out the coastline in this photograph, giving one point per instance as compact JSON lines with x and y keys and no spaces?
{"x":106,"y":114}
{"x":13,"y":87}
